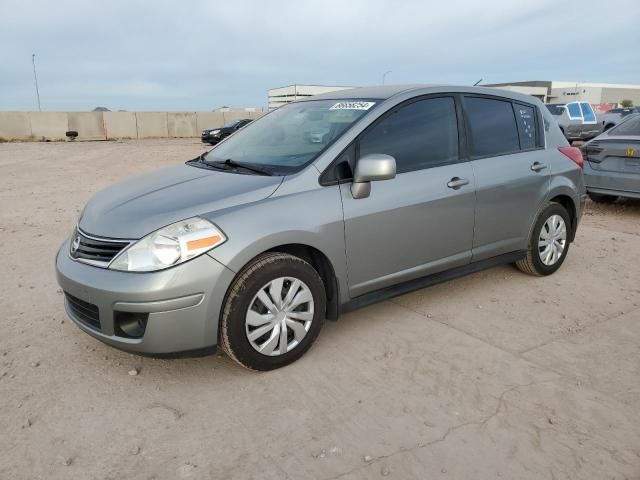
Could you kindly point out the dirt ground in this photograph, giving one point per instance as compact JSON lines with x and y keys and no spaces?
{"x":495,"y":375}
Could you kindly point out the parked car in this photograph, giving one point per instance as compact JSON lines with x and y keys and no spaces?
{"x":214,"y":135}
{"x":254,"y":244}
{"x":612,"y":167}
{"x":614,"y":116}
{"x":577,"y":120}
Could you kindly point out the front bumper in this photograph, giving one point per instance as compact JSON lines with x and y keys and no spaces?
{"x":211,"y":138}
{"x":183,"y":303}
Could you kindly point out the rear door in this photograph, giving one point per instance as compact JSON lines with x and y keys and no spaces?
{"x":511,"y":171}
{"x":420,"y":222}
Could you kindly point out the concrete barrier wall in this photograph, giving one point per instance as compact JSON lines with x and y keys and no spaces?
{"x":89,"y":125}
{"x":182,"y":124}
{"x":152,"y":124}
{"x":15,"y":126}
{"x":111,"y":125}
{"x":120,"y":125}
{"x":49,"y":125}
{"x":208,"y":120}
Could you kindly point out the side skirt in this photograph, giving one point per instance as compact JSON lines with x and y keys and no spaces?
{"x":418,"y":283}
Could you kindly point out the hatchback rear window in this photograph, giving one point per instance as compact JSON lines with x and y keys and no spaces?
{"x":631,"y":126}
{"x":493,"y":126}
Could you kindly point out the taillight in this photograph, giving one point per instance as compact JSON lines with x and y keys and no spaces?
{"x":574,"y":154}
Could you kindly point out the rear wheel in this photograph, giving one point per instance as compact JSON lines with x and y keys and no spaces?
{"x":273,"y":312}
{"x":601,"y":198}
{"x":549,"y":242}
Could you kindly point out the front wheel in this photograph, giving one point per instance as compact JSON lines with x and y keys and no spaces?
{"x":273,"y":312}
{"x":548,"y":244}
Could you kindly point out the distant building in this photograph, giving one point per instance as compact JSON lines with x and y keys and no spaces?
{"x":283,"y":95}
{"x":552,"y":91}
{"x":101,"y":109}
{"x":238,"y":109}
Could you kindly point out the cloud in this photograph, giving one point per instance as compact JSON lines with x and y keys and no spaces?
{"x":197,"y":55}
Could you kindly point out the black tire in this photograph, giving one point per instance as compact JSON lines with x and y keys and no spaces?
{"x":232,"y":336}
{"x":601,"y":198}
{"x":532,"y":263}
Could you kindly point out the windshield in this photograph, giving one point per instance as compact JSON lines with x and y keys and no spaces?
{"x":290,"y":137}
{"x":555,"y":109}
{"x":231,"y":123}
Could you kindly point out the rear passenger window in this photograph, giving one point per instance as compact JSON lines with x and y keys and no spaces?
{"x":419,"y":135}
{"x":492,"y":125}
{"x":526,"y":120}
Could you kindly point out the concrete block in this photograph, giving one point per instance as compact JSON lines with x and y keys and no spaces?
{"x":152,"y":124}
{"x":229,"y":116}
{"x":15,"y":126}
{"x":182,"y":124}
{"x":206,"y":120}
{"x":89,"y":125}
{"x":120,"y":125}
{"x":49,"y":125}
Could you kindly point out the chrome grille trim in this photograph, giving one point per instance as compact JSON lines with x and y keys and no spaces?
{"x":96,"y":251}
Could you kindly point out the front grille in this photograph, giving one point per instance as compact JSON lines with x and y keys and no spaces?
{"x":97,"y":251}
{"x":86,"y":312}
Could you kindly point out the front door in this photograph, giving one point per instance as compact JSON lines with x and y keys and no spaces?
{"x":420,"y":222}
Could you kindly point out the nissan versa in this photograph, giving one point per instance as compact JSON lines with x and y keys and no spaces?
{"x":254,"y":244}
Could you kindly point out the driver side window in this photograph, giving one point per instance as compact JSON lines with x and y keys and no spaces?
{"x":419,"y":135}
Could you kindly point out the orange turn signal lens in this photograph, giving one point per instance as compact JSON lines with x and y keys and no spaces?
{"x":203,"y":242}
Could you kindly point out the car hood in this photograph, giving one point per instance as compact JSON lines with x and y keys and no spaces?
{"x":222,"y":129}
{"x":141,"y":205}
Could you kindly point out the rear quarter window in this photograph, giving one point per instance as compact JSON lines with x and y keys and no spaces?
{"x":526,"y":120}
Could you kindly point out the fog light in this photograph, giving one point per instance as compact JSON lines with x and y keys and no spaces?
{"x":130,"y":324}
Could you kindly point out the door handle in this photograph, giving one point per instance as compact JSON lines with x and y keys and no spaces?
{"x":457,"y":182}
{"x":537,"y":166}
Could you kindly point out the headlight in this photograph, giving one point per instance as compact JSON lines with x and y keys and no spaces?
{"x":213,"y":132}
{"x":171,"y":245}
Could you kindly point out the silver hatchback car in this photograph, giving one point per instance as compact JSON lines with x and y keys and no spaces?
{"x":254,"y":244}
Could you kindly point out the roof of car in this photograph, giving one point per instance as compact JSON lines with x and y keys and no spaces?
{"x":384,"y":92}
{"x":381,"y":92}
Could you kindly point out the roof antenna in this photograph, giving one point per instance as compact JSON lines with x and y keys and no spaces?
{"x":478,"y":82}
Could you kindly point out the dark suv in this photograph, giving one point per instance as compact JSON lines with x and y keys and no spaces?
{"x":214,"y":135}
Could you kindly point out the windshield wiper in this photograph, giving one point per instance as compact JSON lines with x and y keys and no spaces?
{"x":232,"y":164}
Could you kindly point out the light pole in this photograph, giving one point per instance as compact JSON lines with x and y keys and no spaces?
{"x":35,"y":78}
{"x":384,"y":75}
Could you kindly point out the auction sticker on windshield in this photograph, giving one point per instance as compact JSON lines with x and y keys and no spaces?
{"x":353,"y":106}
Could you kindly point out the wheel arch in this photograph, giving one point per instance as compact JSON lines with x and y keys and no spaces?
{"x":569,"y":204}
{"x":323,"y":266}
{"x":312,"y":254}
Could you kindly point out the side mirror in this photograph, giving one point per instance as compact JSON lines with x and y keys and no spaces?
{"x":372,"y":168}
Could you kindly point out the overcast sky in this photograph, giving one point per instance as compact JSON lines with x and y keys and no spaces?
{"x":199,"y":55}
